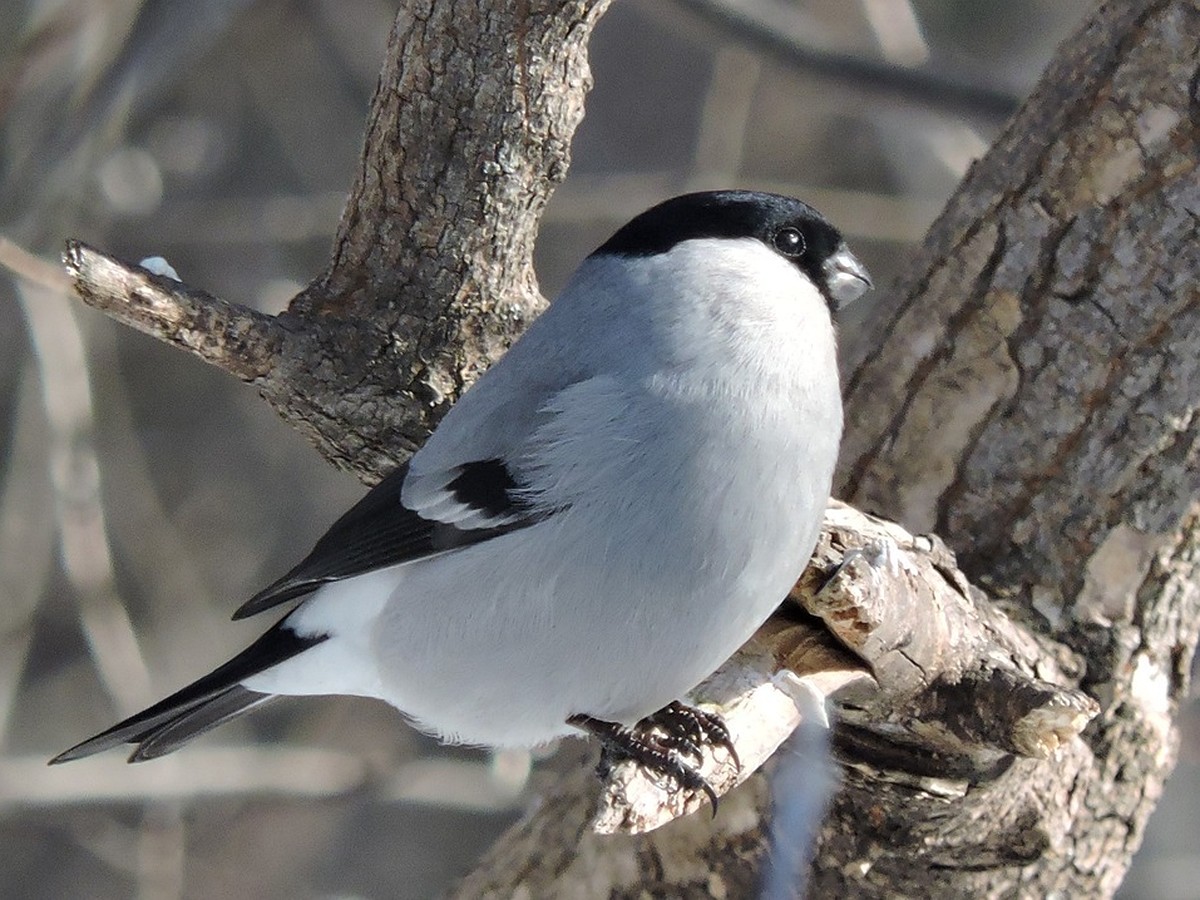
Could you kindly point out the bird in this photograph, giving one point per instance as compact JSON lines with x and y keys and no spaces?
{"x":598,"y":523}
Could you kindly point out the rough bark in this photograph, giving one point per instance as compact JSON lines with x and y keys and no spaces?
{"x":1032,"y":399}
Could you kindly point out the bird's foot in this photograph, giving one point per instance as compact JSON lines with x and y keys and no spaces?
{"x":693,"y":728}
{"x":660,"y":742}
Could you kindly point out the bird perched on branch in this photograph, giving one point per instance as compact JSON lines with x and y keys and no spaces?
{"x":600,"y":521}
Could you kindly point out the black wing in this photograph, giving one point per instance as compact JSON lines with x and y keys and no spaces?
{"x":380,"y":531}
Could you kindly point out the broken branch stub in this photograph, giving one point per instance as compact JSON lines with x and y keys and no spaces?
{"x":240,"y":340}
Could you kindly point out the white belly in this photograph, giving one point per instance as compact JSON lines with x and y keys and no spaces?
{"x":476,"y":647}
{"x":648,"y":580}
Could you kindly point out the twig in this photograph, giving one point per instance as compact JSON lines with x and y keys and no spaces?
{"x":32,"y":267}
{"x":202,"y":772}
{"x":897,"y":31}
{"x":26,"y":539}
{"x":761,"y":702}
{"x":727,"y":106}
{"x":455,"y":783}
{"x":298,"y":772}
{"x":161,"y":852}
{"x":774,"y":28}
{"x":162,"y":562}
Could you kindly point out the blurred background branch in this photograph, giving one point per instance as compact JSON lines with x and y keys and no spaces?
{"x":903,"y":72}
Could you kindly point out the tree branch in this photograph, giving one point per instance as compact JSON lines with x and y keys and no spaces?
{"x":1033,"y":399}
{"x":1042,"y":350}
{"x":469,"y":131}
{"x":243,"y":342}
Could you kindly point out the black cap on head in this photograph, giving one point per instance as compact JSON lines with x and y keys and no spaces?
{"x":788,"y":226}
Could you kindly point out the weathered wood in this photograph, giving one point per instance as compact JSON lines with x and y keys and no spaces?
{"x":469,"y":131}
{"x":954,"y":705}
{"x":1042,"y":354}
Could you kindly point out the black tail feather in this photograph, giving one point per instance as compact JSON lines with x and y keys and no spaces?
{"x":202,"y":705}
{"x":196,"y":721}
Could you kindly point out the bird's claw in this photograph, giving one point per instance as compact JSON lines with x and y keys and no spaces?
{"x":660,"y":742}
{"x":696,"y":727}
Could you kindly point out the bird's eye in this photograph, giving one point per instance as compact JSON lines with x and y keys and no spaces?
{"x":789,"y":241}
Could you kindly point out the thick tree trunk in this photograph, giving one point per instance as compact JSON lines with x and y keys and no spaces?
{"x":1032,"y":400}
